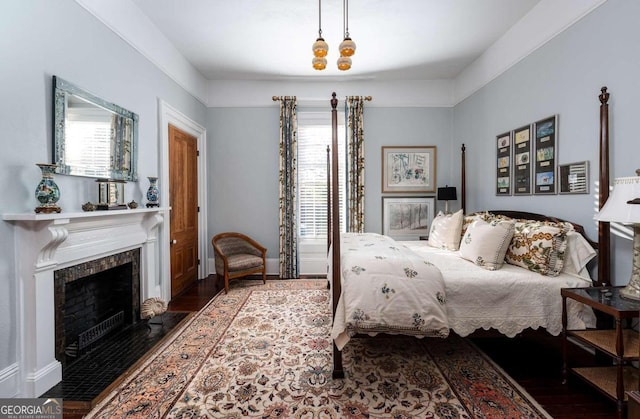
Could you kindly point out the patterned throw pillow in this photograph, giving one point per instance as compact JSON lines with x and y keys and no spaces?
{"x":485,"y":244}
{"x":470,"y":218}
{"x":538,"y":246}
{"x":445,"y":231}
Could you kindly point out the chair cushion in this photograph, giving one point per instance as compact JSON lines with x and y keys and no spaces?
{"x":243,"y":261}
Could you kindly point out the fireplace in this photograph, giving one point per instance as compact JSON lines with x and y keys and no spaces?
{"x":93,"y":299}
{"x":53,"y":249}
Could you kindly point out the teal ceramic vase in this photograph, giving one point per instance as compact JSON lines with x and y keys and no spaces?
{"x":153,"y":194}
{"x":47,"y":192}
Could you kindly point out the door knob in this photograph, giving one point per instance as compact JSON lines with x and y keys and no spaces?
{"x":174,"y":241}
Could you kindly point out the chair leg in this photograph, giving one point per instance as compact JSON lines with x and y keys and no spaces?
{"x":264,"y":275}
{"x":226,"y":283}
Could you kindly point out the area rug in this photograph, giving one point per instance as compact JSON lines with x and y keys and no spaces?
{"x":263,"y":351}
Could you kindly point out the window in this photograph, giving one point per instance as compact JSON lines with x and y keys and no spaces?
{"x":314,"y":135}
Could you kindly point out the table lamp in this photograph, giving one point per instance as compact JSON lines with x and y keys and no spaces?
{"x":623,"y":206}
{"x":446,"y":194}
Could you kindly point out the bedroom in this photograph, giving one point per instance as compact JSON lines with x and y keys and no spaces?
{"x":562,"y":77}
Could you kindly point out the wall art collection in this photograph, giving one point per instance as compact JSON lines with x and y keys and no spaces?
{"x":527,"y":162}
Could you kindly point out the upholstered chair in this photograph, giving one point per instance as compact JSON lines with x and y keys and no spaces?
{"x":237,"y":255}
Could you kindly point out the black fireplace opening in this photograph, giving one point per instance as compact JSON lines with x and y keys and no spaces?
{"x":94,"y":300}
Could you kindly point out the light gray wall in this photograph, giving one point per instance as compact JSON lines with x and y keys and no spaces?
{"x":564,"y":77}
{"x":39,"y":39}
{"x":243,"y":164}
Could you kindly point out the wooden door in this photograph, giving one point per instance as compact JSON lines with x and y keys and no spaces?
{"x":183,"y":199}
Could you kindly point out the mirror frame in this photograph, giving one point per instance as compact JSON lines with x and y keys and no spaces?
{"x":61,"y":91}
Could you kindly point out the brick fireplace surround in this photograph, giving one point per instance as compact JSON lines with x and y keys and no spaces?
{"x":46,"y":243}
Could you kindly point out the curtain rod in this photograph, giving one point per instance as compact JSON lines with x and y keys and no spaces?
{"x":277,"y":98}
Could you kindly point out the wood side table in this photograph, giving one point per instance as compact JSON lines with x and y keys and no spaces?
{"x":621,"y":343}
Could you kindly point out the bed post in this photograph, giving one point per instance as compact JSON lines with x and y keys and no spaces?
{"x":604,"y":236}
{"x":338,"y":371}
{"x":463,"y":180}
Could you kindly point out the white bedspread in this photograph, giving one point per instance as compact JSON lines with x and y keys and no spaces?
{"x":387,"y":288}
{"x":509,"y":300}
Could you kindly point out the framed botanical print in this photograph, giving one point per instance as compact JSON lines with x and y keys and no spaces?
{"x":503,"y":166}
{"x":546,"y":143}
{"x":409,"y":169}
{"x":407,"y":218}
{"x":522,"y":160}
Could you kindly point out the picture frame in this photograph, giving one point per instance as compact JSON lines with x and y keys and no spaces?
{"x":110,"y":194}
{"x":574,"y":178}
{"x":503,"y":165}
{"x":522,"y":160}
{"x":409,"y":169}
{"x":407,"y":218}
{"x":546,"y":156}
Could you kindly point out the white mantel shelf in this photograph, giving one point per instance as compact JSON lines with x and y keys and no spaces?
{"x":45,"y":243}
{"x":69,"y":215}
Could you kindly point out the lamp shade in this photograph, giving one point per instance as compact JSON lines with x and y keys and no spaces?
{"x":448,"y":193}
{"x":347,"y":47}
{"x":344,"y":63}
{"x":319,"y":63}
{"x":320,"y":48}
{"x":623,"y":206}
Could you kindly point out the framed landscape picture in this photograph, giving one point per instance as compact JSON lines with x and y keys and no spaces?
{"x":522,"y":161}
{"x":407,"y":218}
{"x":546,"y":142}
{"x":409,"y":169}
{"x":503,"y":168}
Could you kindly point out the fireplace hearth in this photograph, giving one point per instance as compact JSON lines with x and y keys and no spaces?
{"x":94,"y":299}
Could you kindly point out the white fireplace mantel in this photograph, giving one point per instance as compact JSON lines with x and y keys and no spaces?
{"x":45,"y":243}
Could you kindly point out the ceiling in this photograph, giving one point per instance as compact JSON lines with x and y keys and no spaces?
{"x":271,"y":40}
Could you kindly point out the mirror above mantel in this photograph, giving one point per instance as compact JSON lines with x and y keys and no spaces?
{"x":91,"y":136}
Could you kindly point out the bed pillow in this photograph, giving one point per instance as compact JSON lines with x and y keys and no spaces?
{"x":579,"y":252}
{"x":445,"y":231}
{"x":468,"y":219}
{"x":538,"y":246}
{"x":485,"y":243}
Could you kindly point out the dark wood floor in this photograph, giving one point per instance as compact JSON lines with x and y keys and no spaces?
{"x":533,"y":360}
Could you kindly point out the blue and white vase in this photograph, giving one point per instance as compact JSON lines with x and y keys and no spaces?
{"x":47,"y":191}
{"x":153,"y":193}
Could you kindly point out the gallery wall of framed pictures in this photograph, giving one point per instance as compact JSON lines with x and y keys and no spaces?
{"x":527,"y":162}
{"x":408,"y":170}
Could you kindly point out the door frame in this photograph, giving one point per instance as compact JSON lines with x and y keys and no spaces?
{"x":169,"y":115}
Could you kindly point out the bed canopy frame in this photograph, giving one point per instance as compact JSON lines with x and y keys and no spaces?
{"x":603,"y":245}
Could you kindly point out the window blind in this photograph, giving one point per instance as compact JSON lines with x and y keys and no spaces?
{"x":314,"y":135}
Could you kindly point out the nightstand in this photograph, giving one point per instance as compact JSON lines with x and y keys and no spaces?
{"x":621,"y":344}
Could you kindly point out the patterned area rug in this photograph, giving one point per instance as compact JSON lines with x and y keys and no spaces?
{"x":264,"y":351}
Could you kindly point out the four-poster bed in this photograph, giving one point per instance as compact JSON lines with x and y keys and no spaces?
{"x":460,"y":277}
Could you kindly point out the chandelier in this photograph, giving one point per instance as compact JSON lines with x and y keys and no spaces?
{"x":347,"y":47}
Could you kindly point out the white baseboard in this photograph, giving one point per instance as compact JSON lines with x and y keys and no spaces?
{"x":9,"y":382}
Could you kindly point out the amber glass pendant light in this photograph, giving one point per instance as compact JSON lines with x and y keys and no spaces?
{"x":320,"y":47}
{"x":347,"y":47}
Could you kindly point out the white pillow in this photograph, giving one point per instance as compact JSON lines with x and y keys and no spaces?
{"x":445,"y":231}
{"x":579,"y":252}
{"x":485,"y":244}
